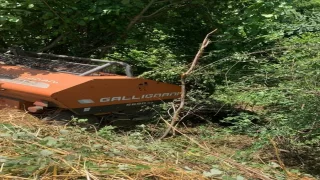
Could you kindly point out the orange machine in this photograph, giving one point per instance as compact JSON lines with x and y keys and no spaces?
{"x":39,"y":82}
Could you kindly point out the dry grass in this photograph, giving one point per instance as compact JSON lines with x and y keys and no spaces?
{"x":19,"y":118}
{"x":77,"y":154}
{"x":13,"y":121}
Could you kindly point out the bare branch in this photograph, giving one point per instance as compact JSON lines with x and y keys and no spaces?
{"x":130,"y":25}
{"x":52,"y":44}
{"x":176,"y":115}
{"x":158,"y":2}
{"x":52,"y":10}
{"x":138,"y":17}
{"x":161,"y":9}
{"x":205,"y":43}
{"x":156,"y":12}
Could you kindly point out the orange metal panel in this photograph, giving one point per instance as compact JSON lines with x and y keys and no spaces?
{"x":37,"y":81}
{"x":72,"y":91}
{"x":112,"y":91}
{"x":31,"y":85}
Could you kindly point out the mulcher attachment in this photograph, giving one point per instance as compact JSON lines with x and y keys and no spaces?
{"x":40,"y":82}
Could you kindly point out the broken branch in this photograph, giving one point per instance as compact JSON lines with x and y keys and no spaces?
{"x":175,"y":118}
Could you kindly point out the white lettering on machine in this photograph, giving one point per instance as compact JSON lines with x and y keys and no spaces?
{"x":145,"y":96}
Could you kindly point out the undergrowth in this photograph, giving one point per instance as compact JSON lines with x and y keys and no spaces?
{"x":32,"y":149}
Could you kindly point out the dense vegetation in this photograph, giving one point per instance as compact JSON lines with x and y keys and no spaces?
{"x":264,"y":58}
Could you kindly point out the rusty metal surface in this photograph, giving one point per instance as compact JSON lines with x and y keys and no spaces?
{"x":6,"y":103}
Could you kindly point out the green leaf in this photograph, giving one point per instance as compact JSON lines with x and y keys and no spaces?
{"x":227,"y":178}
{"x":125,"y":2}
{"x":32,"y":168}
{"x":274,"y":165}
{"x":106,"y":11}
{"x":97,"y":146}
{"x":5,"y":135}
{"x":213,"y":172}
{"x":187,"y":168}
{"x":123,"y":167}
{"x":46,"y":152}
{"x":3,"y":18}
{"x":118,"y":12}
{"x":240,"y":177}
{"x":3,"y":159}
{"x":82,"y":23}
{"x":64,"y":131}
{"x":14,"y":19}
{"x":267,"y":15}
{"x":142,"y":167}
{"x":49,"y":141}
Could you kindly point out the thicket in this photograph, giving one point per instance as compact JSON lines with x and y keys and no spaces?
{"x":264,"y":58}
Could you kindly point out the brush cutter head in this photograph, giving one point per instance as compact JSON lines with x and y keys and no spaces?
{"x":42,"y":81}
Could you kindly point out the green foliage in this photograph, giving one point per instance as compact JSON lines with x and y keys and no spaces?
{"x":242,"y":123}
{"x":68,"y":150}
{"x":286,"y":90}
{"x":106,"y":132}
{"x":83,"y":25}
{"x":264,"y":57}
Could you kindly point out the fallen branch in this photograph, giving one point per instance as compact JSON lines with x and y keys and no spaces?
{"x":175,"y":118}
